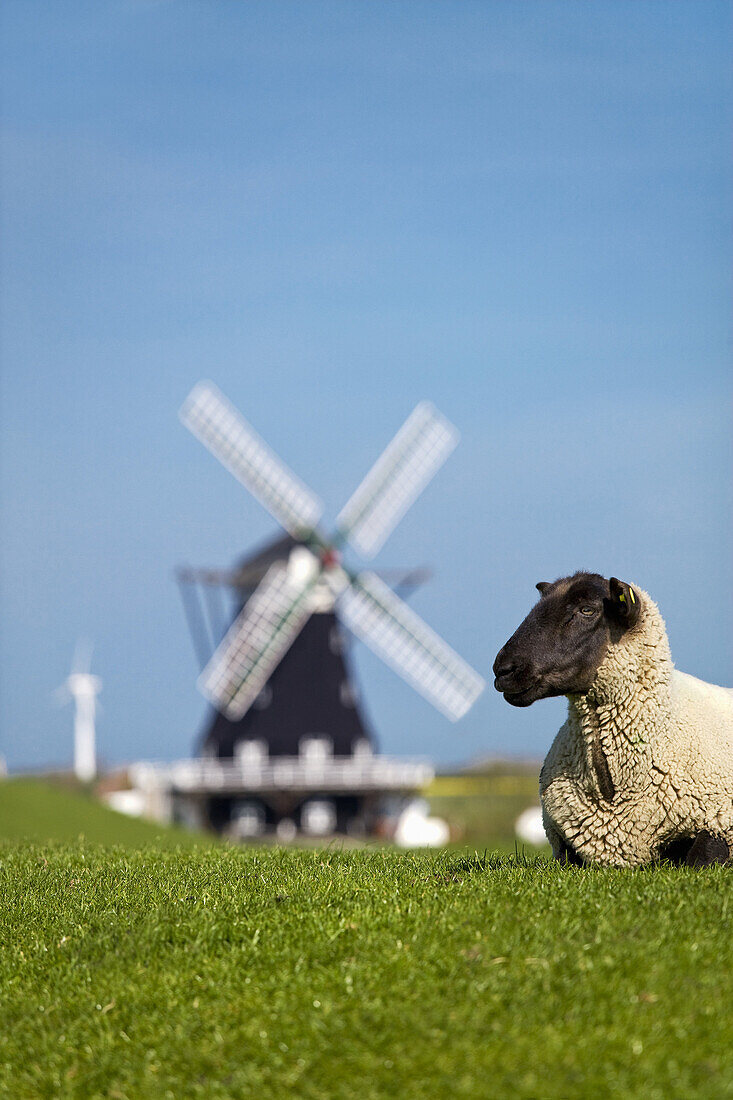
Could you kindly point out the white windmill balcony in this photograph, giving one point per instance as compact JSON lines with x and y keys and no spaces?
{"x":334,"y":774}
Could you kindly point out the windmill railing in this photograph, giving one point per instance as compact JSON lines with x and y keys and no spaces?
{"x":284,"y":773}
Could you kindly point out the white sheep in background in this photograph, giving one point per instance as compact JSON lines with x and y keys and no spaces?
{"x":643,"y":767}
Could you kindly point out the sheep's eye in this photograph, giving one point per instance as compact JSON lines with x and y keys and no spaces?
{"x":587,"y":610}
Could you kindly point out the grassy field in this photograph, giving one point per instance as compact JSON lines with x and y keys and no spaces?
{"x":223,"y":972}
{"x":34,"y":809}
{"x":483,"y":807}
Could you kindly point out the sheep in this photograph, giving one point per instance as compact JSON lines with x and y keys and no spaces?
{"x":642,"y":770}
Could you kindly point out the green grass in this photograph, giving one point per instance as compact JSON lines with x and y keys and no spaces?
{"x":223,"y":972}
{"x":482,"y":808}
{"x":31,"y":809}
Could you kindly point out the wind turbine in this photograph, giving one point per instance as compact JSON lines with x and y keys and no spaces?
{"x":83,"y":687}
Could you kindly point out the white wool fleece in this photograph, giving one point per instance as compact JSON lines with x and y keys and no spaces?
{"x":667,"y":740}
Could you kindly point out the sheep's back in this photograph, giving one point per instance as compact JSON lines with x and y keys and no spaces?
{"x":709,"y":706}
{"x":703,"y":724}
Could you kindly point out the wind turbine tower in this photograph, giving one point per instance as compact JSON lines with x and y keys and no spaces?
{"x":83,"y":687}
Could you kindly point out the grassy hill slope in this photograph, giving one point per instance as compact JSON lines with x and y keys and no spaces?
{"x":31,"y":809}
{"x":322,"y":974}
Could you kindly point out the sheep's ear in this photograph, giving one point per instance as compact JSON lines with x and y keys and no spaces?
{"x":543,"y":586}
{"x":625,"y":602}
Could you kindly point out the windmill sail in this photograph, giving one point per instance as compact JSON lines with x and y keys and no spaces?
{"x":278,"y":610}
{"x":210,"y":416}
{"x":397,"y":478}
{"x":257,"y":640}
{"x":400,"y":637}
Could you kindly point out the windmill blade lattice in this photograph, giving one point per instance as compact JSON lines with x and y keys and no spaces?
{"x":397,"y":478}
{"x":281,"y":605}
{"x":400,"y":637}
{"x":211,"y":417}
{"x":257,"y":640}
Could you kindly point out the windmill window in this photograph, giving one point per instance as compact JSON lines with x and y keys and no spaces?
{"x":248,"y":818}
{"x":286,"y":829}
{"x":336,"y":640}
{"x":318,"y":817}
{"x":316,"y":748}
{"x":252,"y":752}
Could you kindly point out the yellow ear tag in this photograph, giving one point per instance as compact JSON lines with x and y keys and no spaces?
{"x":631,"y":593}
{"x":622,"y":598}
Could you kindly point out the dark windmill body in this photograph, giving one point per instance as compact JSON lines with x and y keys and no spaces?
{"x":287,"y":748}
{"x":309,"y":710}
{"x":311,"y":693}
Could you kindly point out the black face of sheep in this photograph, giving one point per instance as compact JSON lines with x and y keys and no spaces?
{"x":558,"y":648}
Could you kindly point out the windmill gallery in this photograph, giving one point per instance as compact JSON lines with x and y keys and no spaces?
{"x":286,"y":749}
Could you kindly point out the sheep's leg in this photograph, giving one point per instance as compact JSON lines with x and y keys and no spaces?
{"x":706,"y":849}
{"x":568,"y":855}
{"x":561,"y":850}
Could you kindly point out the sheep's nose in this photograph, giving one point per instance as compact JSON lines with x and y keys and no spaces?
{"x":503,"y":665}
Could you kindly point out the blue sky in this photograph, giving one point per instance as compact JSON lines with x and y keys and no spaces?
{"x":334,"y":210}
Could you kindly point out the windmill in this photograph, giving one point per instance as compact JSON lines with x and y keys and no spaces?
{"x":83,"y":687}
{"x":312,"y":689}
{"x":287,"y":748}
{"x":314,"y":574}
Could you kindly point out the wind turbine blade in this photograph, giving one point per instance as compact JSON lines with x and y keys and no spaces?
{"x":220,"y":427}
{"x":82,"y":661}
{"x":400,"y":637}
{"x":61,"y":695}
{"x":397,"y":478}
{"x":257,"y":640}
